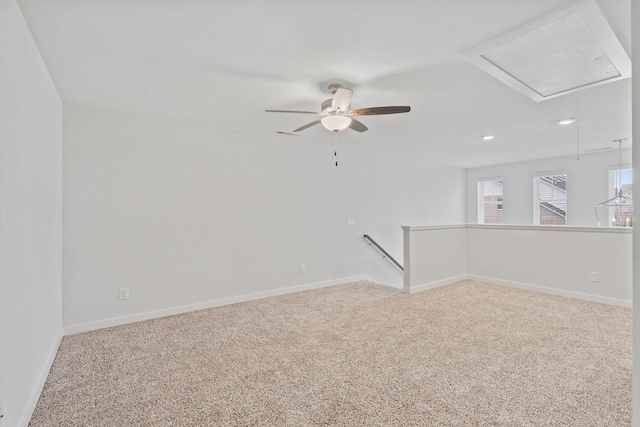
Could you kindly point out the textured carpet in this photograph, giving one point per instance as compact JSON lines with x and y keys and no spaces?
{"x":466,"y":354}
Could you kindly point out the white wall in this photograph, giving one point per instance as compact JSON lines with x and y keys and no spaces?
{"x":550,"y":259}
{"x":30,"y":215}
{"x":635,"y":27}
{"x":556,"y":259}
{"x":587,"y":185}
{"x":183,"y":214}
{"x":434,"y":256}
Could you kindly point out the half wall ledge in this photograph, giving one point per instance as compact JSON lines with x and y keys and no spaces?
{"x":591,"y":263}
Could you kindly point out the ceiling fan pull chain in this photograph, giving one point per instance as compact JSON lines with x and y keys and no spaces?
{"x":335,"y":146}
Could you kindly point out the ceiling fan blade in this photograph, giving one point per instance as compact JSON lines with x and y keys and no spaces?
{"x":358,"y":126}
{"x":342,"y":99}
{"x":308,"y":125}
{"x":290,"y":111}
{"x":372,"y":111}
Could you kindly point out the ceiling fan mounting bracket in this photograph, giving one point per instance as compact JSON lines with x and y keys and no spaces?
{"x":333,"y":87}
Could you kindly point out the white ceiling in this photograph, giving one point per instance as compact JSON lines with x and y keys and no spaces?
{"x":224,"y":62}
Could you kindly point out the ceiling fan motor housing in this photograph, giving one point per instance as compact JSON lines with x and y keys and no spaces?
{"x":325,"y":107}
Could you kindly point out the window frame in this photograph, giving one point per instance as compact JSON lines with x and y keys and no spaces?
{"x":480,"y":198}
{"x":535,"y":177}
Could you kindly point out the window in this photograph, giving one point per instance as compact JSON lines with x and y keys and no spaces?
{"x":490,"y":202}
{"x":550,"y":199}
{"x":620,"y":210}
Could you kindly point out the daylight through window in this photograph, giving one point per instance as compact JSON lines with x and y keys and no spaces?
{"x":621,"y":209}
{"x":490,"y":202}
{"x":550,"y":200}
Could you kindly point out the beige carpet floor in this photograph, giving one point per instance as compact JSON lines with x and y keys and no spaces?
{"x":466,"y":354}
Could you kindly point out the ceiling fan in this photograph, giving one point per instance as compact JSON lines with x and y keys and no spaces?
{"x":338,"y":114}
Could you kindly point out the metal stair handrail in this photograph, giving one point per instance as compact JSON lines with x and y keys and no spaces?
{"x":385,"y":253}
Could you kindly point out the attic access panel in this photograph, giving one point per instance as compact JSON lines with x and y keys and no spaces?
{"x":553,"y":56}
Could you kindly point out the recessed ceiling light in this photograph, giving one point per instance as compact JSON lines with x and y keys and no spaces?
{"x":488,"y":137}
{"x":566,"y":121}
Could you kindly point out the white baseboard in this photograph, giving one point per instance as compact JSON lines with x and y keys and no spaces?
{"x":431,"y":285}
{"x":553,"y":291}
{"x":42,"y":378}
{"x":116,"y":321}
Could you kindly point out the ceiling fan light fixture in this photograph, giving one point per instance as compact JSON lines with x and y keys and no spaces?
{"x":336,"y":123}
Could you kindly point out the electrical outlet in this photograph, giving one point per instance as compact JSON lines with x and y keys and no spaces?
{"x":441,"y":265}
{"x":124,"y":293}
{"x":351,"y":221}
{"x":594,"y":276}
{"x":303,"y":268}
